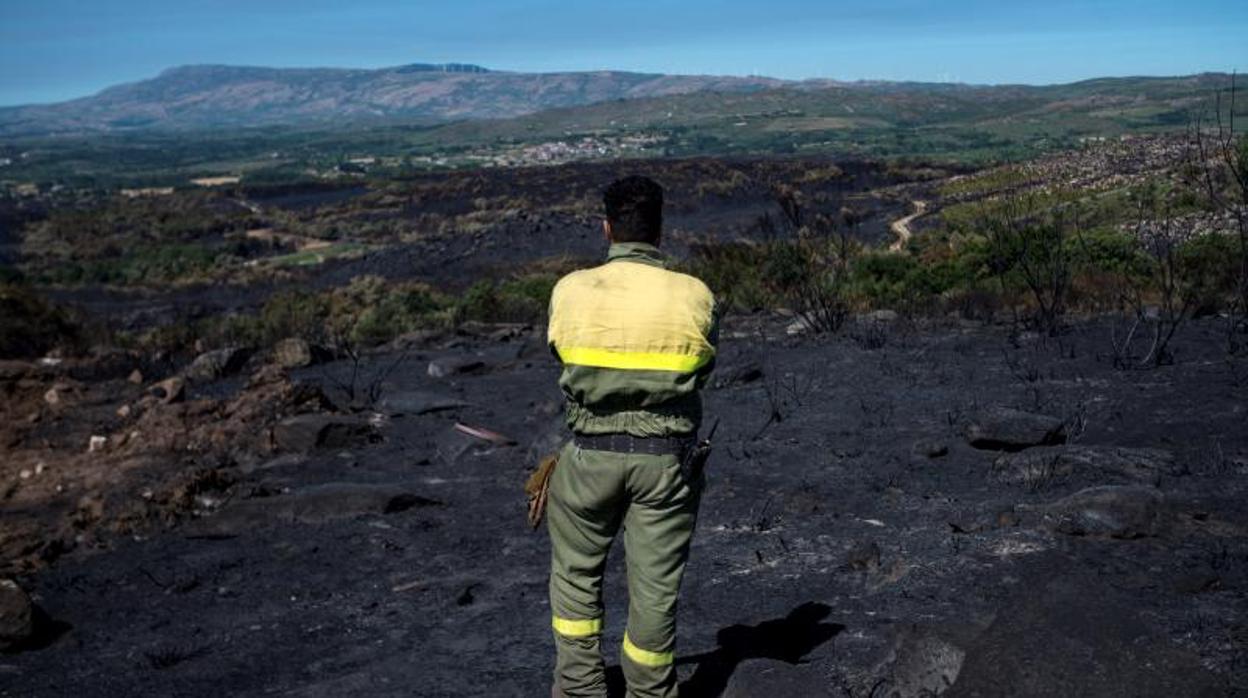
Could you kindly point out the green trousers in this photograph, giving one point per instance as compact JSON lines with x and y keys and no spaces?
{"x":593,"y":494}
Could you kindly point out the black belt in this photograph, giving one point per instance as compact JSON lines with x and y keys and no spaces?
{"x":625,"y":443}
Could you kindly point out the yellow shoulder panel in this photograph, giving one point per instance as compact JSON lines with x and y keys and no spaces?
{"x":632,"y":316}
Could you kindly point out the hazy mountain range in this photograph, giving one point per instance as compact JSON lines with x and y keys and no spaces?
{"x":470,"y":105}
{"x":219,"y":95}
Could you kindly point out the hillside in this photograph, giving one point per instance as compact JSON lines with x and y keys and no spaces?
{"x":873,"y":119}
{"x":304,"y":137}
{"x":218,"y":95}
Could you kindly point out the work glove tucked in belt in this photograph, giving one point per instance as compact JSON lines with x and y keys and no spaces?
{"x":537,"y":488}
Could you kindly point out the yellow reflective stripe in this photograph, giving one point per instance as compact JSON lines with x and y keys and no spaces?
{"x":646,"y":657}
{"x":633,"y":360}
{"x":569,"y":627}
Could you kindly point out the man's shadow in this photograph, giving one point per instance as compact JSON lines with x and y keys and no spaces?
{"x":787,"y":639}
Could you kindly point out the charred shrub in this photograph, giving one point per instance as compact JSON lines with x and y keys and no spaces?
{"x":30,"y":325}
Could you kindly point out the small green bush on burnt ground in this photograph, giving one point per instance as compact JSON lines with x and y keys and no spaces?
{"x":803,"y":264}
{"x":31,"y":326}
{"x":367,"y":312}
{"x":123,"y":234}
{"x":968,"y":274}
{"x":147,"y":265}
{"x":523,"y":299}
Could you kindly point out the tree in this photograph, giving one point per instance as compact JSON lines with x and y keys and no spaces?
{"x":1035,"y":246}
{"x":1221,"y":163}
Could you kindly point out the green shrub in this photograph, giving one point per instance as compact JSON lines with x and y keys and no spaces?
{"x":294,"y":314}
{"x":399,"y":310}
{"x":524,"y":298}
{"x":733,"y":273}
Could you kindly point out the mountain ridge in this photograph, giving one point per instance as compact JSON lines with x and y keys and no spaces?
{"x":214,"y":96}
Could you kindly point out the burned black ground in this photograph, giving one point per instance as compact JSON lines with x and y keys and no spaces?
{"x":838,"y":553}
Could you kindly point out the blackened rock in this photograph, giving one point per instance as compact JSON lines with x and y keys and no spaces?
{"x":216,"y":364}
{"x":1070,"y":633}
{"x":920,"y":663}
{"x":864,"y":557}
{"x":1005,"y":429}
{"x":306,"y":432}
{"x":769,"y":677}
{"x":493,"y":331}
{"x":1040,"y":467}
{"x":16,"y":615}
{"x":930,"y":449}
{"x":1114,"y":511}
{"x":315,"y":505}
{"x":739,"y":374}
{"x":418,"y":402}
{"x":454,"y":365}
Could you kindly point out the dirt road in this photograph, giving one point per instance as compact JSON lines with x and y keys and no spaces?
{"x":901,"y":226}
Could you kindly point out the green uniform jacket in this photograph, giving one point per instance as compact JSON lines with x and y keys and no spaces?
{"x":637,"y":342}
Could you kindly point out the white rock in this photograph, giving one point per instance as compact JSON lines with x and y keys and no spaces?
{"x":97,"y":443}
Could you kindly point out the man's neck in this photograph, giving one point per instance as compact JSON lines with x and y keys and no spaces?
{"x":639,"y":252}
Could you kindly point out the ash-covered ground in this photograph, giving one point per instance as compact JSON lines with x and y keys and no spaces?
{"x":901,"y":510}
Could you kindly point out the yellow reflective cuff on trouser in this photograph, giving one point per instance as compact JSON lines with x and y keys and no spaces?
{"x":569,"y":627}
{"x":646,"y":657}
{"x":633,"y":360}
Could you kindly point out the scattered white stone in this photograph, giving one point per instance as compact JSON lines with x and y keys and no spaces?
{"x":24,"y":474}
{"x":39,"y":468}
{"x":97,"y":443}
{"x":873,"y":522}
{"x":798,"y":326}
{"x":1016,"y":547}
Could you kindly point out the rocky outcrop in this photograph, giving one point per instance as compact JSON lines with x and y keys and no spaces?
{"x":16,"y":616}
{"x":454,"y":365}
{"x":315,"y":505}
{"x":307,"y":432}
{"x":1006,"y":429}
{"x":1038,"y":468}
{"x":740,"y":373}
{"x":1113,"y":511}
{"x":418,"y":402}
{"x":920,"y":663}
{"x":219,"y":363}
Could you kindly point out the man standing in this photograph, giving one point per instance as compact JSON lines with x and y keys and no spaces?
{"x":637,"y":342}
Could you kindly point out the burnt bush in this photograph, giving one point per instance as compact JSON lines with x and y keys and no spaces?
{"x":30,"y":326}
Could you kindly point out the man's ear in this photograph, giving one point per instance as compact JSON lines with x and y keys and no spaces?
{"x":606,"y":230}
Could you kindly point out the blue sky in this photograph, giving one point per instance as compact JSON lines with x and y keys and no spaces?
{"x":52,"y":50}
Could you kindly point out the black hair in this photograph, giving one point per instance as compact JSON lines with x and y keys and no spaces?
{"x":634,"y":207}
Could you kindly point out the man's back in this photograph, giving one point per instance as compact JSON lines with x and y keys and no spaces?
{"x":636,"y":341}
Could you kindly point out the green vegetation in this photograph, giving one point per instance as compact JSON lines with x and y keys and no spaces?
{"x":967,"y":273}
{"x":367,"y":312}
{"x":931,"y":122}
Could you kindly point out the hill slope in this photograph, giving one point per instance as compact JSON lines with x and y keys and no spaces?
{"x":218,"y":95}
